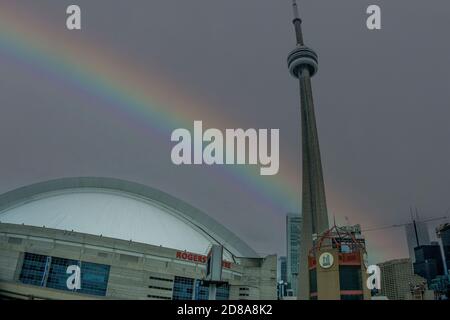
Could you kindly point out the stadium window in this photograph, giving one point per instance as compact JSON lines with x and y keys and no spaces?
{"x":183,"y":288}
{"x":223,"y":292}
{"x":51,"y":272}
{"x":34,"y":269}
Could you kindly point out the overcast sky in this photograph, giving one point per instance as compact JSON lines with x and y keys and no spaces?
{"x":381,"y":97}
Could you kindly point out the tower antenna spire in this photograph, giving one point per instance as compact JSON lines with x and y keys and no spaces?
{"x":303,"y":65}
{"x":297,"y":24}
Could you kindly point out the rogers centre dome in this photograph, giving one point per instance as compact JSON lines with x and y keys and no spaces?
{"x":119,"y":209}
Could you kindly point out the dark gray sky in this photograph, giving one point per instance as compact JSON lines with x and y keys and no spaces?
{"x":382,"y":106}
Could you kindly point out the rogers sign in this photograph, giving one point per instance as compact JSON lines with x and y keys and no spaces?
{"x":189,"y":256}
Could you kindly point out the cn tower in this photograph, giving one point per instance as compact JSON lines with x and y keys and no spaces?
{"x":303,"y":65}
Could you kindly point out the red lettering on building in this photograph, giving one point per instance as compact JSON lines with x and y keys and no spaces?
{"x":183,"y":255}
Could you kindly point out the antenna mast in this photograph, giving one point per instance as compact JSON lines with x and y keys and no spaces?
{"x":297,"y":24}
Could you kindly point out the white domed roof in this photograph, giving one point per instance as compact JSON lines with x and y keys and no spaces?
{"x":111,"y":215}
{"x":146,"y":216}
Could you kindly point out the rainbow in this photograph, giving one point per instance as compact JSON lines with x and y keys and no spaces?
{"x":146,"y":101}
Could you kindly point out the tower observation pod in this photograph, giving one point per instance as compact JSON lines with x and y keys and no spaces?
{"x":303,"y":64}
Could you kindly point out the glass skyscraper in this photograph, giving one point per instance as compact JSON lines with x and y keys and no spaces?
{"x":416,"y":235}
{"x":429,"y":263}
{"x":282,"y":269}
{"x":445,"y":238}
{"x":293,"y":227}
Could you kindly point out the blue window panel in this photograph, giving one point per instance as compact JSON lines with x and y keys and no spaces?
{"x":183,"y":288}
{"x":223,"y":292}
{"x":94,"y":278}
{"x":51,"y":272}
{"x":201,"y":290}
{"x":34,"y":269}
{"x":57,"y":278}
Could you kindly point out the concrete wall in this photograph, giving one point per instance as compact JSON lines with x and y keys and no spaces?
{"x":137,"y":271}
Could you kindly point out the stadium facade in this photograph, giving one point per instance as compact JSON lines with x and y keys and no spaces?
{"x":128,"y":241}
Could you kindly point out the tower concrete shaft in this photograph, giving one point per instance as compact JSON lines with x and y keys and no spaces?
{"x":303,"y":64}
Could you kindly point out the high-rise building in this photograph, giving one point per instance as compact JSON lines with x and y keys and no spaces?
{"x":443,"y":232}
{"x":303,"y":64}
{"x":293,"y":227}
{"x":429,"y":261}
{"x":397,"y":278}
{"x":416,"y":235}
{"x":282,"y":269}
{"x":282,"y":284}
